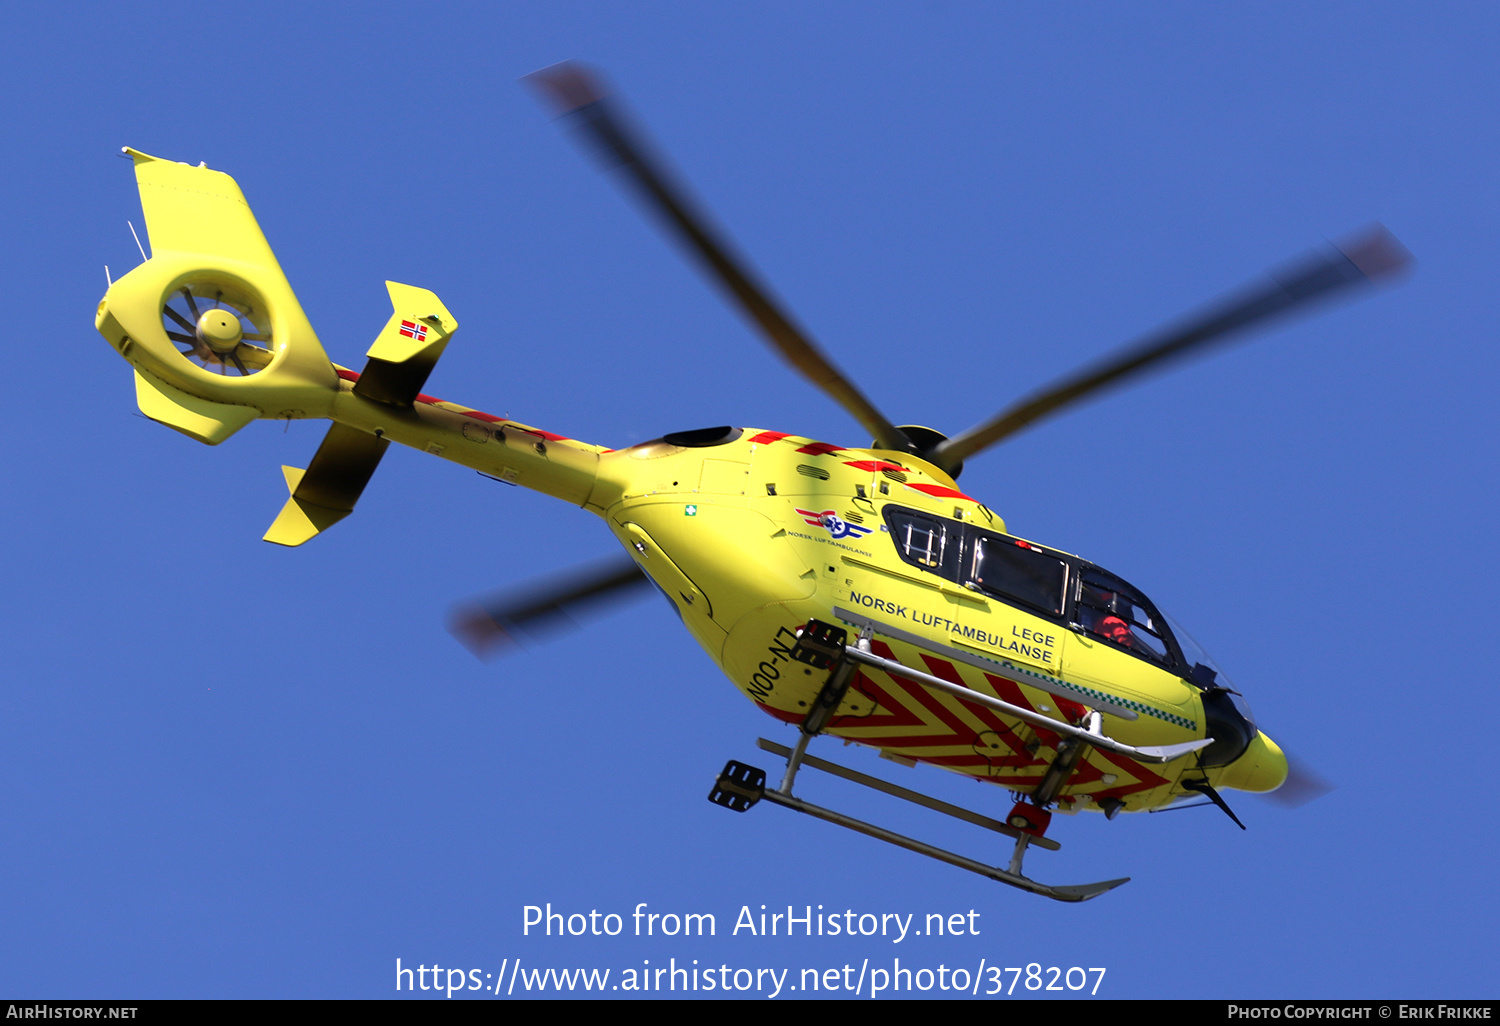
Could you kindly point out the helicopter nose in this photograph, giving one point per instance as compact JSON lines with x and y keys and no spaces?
{"x":1263,"y":767}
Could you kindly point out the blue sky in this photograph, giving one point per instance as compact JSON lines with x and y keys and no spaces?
{"x":232,"y":769}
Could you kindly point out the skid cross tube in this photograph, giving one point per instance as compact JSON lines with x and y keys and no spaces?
{"x":793,"y":760}
{"x":1151,"y":753}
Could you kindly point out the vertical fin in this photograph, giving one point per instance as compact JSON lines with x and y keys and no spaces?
{"x":327,"y":490}
{"x":407,"y":348}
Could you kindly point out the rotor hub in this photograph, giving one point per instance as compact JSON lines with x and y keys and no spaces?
{"x":924,"y":440}
{"x":220,"y":330}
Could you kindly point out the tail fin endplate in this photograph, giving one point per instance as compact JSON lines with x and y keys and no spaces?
{"x":400,"y":359}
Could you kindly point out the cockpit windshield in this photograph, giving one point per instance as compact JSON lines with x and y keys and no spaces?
{"x":1195,"y":654}
{"x":1113,"y":610}
{"x":1227,"y":715}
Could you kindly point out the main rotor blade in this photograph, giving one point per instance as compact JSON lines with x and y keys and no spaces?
{"x":1369,"y":257}
{"x":575,"y":91}
{"x":488,"y":627}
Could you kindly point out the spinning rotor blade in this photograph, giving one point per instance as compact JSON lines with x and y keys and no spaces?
{"x":1370,"y":257}
{"x":1302,"y":786}
{"x":487,"y":628}
{"x":575,"y":91}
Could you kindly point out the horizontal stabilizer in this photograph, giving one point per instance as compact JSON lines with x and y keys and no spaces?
{"x":327,"y":490}
{"x":407,"y":348}
{"x":210,"y":423}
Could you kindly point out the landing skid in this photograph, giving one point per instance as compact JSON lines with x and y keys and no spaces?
{"x":740,"y":786}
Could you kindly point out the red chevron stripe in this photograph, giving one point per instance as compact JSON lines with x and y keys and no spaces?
{"x":902,"y":726}
{"x":767,"y":437}
{"x":958,"y":733}
{"x":820,"y":448}
{"x":940,"y":492}
{"x":1146,"y":779}
{"x":1019,"y":757}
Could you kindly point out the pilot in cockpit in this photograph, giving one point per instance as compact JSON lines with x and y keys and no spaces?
{"x":1098,"y":609}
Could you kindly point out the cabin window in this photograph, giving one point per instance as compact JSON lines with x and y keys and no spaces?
{"x":1013,"y":570}
{"x":921,"y":540}
{"x":1111,"y":609}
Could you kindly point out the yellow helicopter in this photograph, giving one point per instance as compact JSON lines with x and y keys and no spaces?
{"x":857,"y":592}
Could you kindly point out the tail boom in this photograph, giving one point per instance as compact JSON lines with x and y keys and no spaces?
{"x":497,"y":447}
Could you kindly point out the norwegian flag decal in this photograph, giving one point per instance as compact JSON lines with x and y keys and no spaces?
{"x":411,"y":329}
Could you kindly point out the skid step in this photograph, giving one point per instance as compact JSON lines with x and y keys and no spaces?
{"x":739,"y":787}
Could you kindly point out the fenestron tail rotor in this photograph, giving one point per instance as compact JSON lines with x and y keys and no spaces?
{"x":216,"y":331}
{"x":196,"y":320}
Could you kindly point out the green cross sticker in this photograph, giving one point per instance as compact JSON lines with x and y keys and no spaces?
{"x":690,"y":511}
